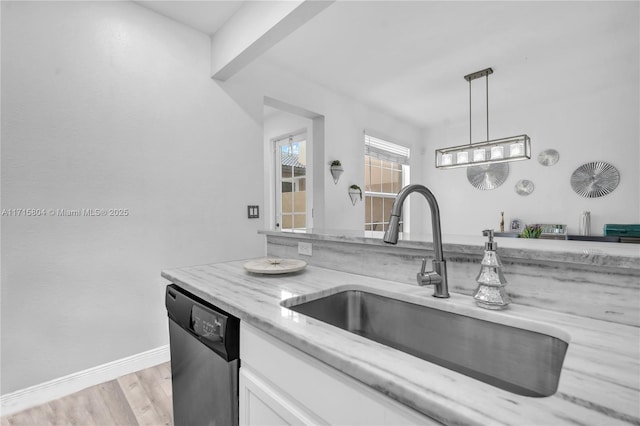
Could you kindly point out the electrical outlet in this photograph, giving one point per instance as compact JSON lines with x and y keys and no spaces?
{"x":305,"y":249}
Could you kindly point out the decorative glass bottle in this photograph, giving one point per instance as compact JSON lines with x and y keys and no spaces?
{"x":491,"y":293}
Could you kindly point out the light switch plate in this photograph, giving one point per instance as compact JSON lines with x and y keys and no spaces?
{"x":305,"y":249}
{"x":253,"y":212}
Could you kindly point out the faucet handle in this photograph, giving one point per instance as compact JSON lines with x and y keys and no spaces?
{"x":424,"y":265}
{"x":436,"y":278}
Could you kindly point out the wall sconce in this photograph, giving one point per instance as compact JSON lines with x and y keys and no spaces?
{"x":336,"y":170}
{"x":514,"y":148}
{"x":355,"y":193}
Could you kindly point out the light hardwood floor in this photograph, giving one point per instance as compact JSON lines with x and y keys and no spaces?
{"x":141,"y":398}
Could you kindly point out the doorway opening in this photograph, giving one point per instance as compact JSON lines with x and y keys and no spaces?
{"x":291,"y":183}
{"x":294,"y":171}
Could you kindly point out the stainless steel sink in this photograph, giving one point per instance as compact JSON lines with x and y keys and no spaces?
{"x":518,"y":360}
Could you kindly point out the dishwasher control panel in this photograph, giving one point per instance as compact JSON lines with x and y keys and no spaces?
{"x":207,"y":324}
{"x":211,"y":325}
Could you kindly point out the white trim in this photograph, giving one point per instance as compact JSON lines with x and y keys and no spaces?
{"x":296,"y":136}
{"x":279,"y":180}
{"x":66,"y":385}
{"x":380,"y":194}
{"x":383,"y":149}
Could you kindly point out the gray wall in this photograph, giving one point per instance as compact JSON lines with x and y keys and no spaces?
{"x":109,"y":105}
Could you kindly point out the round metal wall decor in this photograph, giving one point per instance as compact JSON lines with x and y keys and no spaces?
{"x":488,"y":176}
{"x":524,"y":187}
{"x":595,"y":179}
{"x":548,"y":157}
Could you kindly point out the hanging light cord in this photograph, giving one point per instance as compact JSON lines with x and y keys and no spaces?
{"x":484,"y":73}
{"x":487,"y":80}
{"x":469,"y":111}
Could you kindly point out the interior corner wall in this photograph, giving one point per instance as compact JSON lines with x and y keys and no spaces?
{"x":107,"y":105}
{"x":318,"y":174}
{"x":345,"y":119}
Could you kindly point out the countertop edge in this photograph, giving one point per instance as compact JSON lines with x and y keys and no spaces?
{"x":578,"y":253}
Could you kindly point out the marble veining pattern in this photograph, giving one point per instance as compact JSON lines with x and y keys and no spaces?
{"x":610,"y":293}
{"x":586,"y":253}
{"x":599,"y":385}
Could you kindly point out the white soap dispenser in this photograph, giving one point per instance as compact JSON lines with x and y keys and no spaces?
{"x":491,"y":293}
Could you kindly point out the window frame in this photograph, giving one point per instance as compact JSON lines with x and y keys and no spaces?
{"x":294,"y":138}
{"x":375,"y":148}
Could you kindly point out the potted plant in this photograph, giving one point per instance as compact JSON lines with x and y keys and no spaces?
{"x":355,"y":192}
{"x":336,"y":170}
{"x":531,"y":231}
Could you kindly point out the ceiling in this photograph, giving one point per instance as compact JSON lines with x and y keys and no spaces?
{"x":204,"y":16}
{"x":409,"y":58}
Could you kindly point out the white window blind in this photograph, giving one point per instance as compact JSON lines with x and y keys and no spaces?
{"x":385,"y":150}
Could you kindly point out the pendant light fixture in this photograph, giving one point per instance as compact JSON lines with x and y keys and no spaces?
{"x":514,"y":148}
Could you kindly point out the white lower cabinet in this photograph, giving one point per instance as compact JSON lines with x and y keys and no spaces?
{"x":281,"y":385}
{"x":261,"y":403}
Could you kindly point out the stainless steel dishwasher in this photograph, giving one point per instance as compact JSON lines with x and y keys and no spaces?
{"x":204,"y":343}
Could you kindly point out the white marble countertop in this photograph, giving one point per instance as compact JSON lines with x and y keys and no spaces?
{"x":599,"y":385}
{"x":587,"y":253}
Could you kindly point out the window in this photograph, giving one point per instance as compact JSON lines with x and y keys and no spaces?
{"x":291,"y":184}
{"x":386,"y":168}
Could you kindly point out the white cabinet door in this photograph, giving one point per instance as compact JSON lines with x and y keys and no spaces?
{"x":261,"y":404}
{"x":280,"y":384}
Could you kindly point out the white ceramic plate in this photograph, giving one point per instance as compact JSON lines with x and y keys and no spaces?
{"x":275,"y":266}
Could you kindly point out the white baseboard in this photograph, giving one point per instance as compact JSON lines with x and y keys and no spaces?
{"x":57,"y":388}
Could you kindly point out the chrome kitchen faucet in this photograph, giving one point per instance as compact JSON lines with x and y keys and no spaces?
{"x":437,"y":277}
